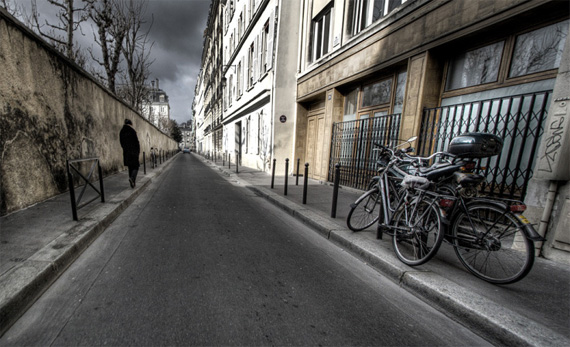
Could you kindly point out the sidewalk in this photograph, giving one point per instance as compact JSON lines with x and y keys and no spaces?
{"x":37,"y":244}
{"x":534,"y":311}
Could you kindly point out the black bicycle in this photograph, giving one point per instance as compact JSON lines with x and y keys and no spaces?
{"x":490,"y":236}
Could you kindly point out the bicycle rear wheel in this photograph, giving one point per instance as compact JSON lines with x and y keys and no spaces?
{"x":418,"y":233}
{"x":491,"y":244}
{"x":365,"y":210}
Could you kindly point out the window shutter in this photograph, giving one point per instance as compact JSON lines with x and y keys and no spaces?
{"x":270,"y":40}
{"x":255,"y":58}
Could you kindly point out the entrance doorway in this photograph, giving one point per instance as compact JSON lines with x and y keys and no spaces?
{"x":314,"y":150}
{"x":238,"y":142}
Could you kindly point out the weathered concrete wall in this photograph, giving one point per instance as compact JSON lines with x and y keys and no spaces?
{"x":51,"y":111}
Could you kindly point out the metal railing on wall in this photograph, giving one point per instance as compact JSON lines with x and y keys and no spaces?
{"x":518,"y":120}
{"x":352,"y":147}
{"x":73,"y":168}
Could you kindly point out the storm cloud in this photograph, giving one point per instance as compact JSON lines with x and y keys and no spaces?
{"x":177,"y":32}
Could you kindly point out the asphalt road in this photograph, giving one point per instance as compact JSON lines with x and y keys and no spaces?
{"x":196,"y":260}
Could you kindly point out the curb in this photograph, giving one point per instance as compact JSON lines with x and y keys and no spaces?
{"x":488,"y":319}
{"x":26,"y":282}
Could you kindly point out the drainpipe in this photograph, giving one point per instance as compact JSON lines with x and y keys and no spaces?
{"x":546,"y":214}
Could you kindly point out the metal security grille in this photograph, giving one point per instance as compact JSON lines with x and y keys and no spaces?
{"x":517,"y":119}
{"x":352,"y":144}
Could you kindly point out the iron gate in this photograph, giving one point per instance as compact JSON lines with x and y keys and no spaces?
{"x":352,"y":144}
{"x":517,"y":119}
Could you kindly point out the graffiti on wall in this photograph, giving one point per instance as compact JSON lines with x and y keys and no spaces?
{"x":555,"y":133}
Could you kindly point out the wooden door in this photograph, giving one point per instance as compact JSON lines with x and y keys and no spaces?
{"x":314,"y":151}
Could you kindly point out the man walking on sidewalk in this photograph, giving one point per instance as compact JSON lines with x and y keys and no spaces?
{"x":131,"y":150}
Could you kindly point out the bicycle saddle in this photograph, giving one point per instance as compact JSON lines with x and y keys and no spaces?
{"x":439,"y":170}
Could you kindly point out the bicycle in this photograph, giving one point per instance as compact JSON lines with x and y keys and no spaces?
{"x":415,"y":221}
{"x":491,"y":237}
{"x":365,"y":211}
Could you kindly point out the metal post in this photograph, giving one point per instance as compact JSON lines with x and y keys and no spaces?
{"x":297,"y":181}
{"x":144,"y":163}
{"x":273,"y":174}
{"x":71,"y":193}
{"x":306,"y":182}
{"x":224,"y":159}
{"x":237,"y":162}
{"x":335,"y":190}
{"x":229,"y":161}
{"x":286,"y":175}
{"x":101,"y":181}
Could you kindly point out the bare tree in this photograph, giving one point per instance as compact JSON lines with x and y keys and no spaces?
{"x":112,"y":26}
{"x":136,"y":51}
{"x":61,"y":34}
{"x":11,"y":7}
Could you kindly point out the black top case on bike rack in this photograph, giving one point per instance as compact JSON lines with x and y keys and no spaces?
{"x":475,"y":145}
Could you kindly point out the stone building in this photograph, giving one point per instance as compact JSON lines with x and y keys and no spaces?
{"x":322,"y":80}
{"x":208,"y":94}
{"x":157,"y":107}
{"x":382,"y":70}
{"x":260,"y":52}
{"x":187,"y":135}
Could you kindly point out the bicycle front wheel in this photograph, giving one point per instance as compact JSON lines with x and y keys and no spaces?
{"x":365,"y":210}
{"x":490,"y":243}
{"x":418,"y":234}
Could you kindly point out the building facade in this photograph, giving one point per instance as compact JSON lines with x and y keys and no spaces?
{"x":322,"y":80}
{"x":187,"y":136}
{"x":157,"y":107}
{"x":208,"y":93}
{"x":383,"y":70}
{"x":260,"y":54}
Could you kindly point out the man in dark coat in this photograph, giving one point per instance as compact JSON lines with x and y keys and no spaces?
{"x":131,"y":150}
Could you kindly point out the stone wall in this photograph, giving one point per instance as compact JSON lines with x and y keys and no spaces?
{"x":50,"y":111}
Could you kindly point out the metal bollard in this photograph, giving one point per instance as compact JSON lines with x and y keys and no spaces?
{"x":335,"y":190}
{"x":297,"y":181}
{"x":144,"y":162}
{"x":306,"y":182}
{"x":237,"y":162}
{"x":273,"y":174}
{"x":229,"y":161}
{"x":286,"y":175}
{"x":223,"y":159}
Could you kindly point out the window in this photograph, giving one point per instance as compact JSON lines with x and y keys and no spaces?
{"x":539,"y":50}
{"x":350,"y":105}
{"x":239,"y":80}
{"x":475,"y":67}
{"x":377,"y":93}
{"x":231,"y":89}
{"x":264,"y":35}
{"x":250,"y":65}
{"x":366,"y":12}
{"x":400,"y":92}
{"x":321,"y":34}
{"x":240,"y":26}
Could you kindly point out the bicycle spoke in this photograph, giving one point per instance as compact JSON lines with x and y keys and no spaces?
{"x":490,"y":243}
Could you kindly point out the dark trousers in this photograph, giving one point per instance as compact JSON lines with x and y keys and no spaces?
{"x":133,"y":171}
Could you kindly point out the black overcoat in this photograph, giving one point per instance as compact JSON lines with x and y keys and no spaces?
{"x":131,"y":147}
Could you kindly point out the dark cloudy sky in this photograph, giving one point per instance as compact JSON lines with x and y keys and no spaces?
{"x":177,"y":33}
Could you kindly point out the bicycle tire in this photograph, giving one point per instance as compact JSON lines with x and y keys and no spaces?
{"x":504,"y":256}
{"x":365,"y":211}
{"x":421,"y":242}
